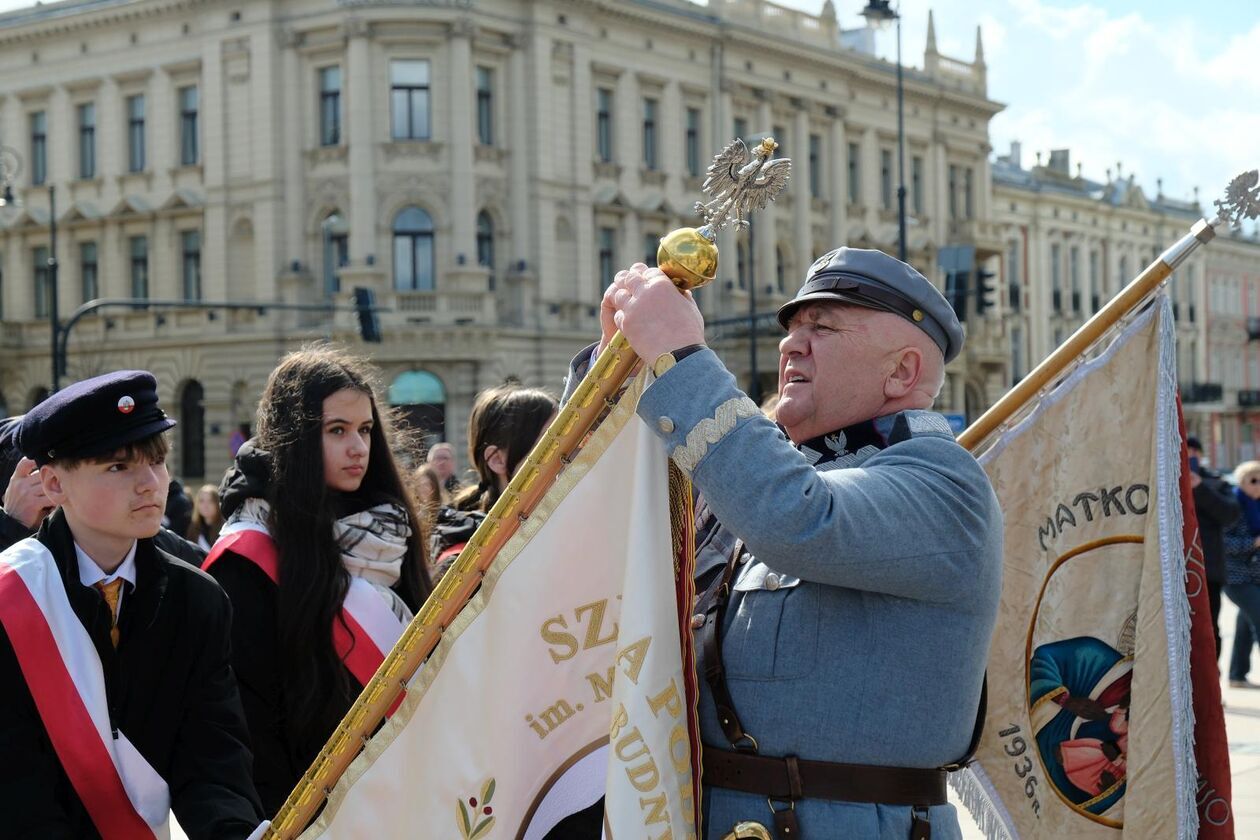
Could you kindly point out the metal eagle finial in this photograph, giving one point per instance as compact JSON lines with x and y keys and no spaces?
{"x":739,"y":181}
{"x":1242,"y":200}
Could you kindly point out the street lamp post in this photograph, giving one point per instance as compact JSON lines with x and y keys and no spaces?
{"x":754,"y":386}
{"x":54,"y":319}
{"x":879,"y":13}
{"x":10,"y":167}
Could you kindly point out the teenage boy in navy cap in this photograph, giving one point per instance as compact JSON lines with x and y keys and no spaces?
{"x":117,"y":701}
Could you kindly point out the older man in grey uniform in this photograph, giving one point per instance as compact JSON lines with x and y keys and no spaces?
{"x":854,"y":573}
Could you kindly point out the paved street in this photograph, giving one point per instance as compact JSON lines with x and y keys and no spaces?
{"x":1242,"y":722}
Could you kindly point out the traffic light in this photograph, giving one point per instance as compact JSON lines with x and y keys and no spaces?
{"x":986,"y":292}
{"x":956,"y":292}
{"x":365,"y":306}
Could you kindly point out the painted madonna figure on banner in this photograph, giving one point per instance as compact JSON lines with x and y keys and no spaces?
{"x":1089,"y":487}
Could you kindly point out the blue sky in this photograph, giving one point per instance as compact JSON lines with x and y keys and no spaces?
{"x":1169,"y":88}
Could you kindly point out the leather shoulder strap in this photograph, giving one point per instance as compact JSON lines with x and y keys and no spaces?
{"x":711,"y":608}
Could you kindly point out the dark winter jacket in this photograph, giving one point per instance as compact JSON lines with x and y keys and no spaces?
{"x":279,"y":759}
{"x":1216,"y":508}
{"x":170,"y":690}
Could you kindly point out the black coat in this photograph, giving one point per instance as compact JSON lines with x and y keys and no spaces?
{"x":280,"y":758}
{"x":1216,"y":509}
{"x":170,"y":689}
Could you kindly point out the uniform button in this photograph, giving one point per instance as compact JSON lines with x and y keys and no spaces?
{"x":665,"y":425}
{"x":772,"y":581}
{"x":697,"y":621}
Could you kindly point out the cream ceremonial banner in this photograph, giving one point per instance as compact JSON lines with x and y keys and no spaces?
{"x":1089,"y":728}
{"x":572,"y":637}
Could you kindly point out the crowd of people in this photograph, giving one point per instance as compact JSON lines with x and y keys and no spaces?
{"x":214,"y":640}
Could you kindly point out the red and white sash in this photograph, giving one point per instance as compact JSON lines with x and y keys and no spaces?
{"x":369,"y":629}
{"x":122,"y":793}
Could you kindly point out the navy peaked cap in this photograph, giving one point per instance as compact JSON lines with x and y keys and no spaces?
{"x":877,"y":281}
{"x":93,"y":417}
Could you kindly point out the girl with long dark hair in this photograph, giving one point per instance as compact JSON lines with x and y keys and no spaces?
{"x":503,"y":427}
{"x":321,"y":555}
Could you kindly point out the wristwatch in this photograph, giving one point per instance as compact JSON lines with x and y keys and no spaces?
{"x":665,"y":361}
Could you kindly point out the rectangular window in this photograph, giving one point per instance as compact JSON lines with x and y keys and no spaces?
{"x":39,"y":263}
{"x":87,"y":140}
{"x":969,"y":204}
{"x":409,"y":99}
{"x":1095,"y":287}
{"x":649,"y":133}
{"x":39,"y":148}
{"x":329,"y":106}
{"x":916,"y":184}
{"x":190,"y":246}
{"x":604,"y":124}
{"x":779,"y":133}
{"x":1074,"y":276}
{"x":1012,"y":277}
{"x":607,"y":257}
{"x":485,"y":106}
{"x":188,"y":147}
{"x":741,"y":128}
{"x":135,"y":133}
{"x":651,"y":242}
{"x":87,"y":271}
{"x":1056,"y":275}
{"x":693,"y":142}
{"x":953,"y":191}
{"x":815,"y":166}
{"x":138,"y":248}
{"x":855,"y":171}
{"x":885,"y":179}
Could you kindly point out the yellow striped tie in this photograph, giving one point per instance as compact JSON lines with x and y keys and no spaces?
{"x":111,"y":591}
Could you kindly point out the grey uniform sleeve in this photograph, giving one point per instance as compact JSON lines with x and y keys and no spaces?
{"x":909,"y":522}
{"x":577,"y":369}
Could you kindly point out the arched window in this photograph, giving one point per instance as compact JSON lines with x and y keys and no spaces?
{"x":780,"y":268}
{"x":192,"y":430}
{"x":485,"y":243}
{"x":413,"y":250}
{"x":335,"y":231}
{"x":421,"y":399}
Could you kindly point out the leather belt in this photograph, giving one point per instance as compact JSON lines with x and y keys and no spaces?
{"x":794,"y":778}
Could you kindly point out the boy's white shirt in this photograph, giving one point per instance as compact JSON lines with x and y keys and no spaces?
{"x":91,"y":574}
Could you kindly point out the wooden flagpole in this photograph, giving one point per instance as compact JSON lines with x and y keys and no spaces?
{"x":689,"y":257}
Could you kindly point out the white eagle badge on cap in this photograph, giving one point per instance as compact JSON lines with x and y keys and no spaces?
{"x":126,"y":405}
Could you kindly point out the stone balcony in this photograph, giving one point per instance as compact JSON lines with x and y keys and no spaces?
{"x":443,"y":308}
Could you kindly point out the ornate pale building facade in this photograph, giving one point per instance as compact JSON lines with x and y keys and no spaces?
{"x":1070,"y":244}
{"x":484,"y":167}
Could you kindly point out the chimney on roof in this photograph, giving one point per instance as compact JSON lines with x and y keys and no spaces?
{"x":1016,"y":155}
{"x":1060,"y":161}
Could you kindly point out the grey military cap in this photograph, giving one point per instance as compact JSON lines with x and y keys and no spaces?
{"x":877,"y":281}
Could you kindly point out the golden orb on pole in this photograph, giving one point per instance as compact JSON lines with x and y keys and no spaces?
{"x":688,"y":257}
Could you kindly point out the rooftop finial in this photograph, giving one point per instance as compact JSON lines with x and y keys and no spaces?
{"x":979,"y":46}
{"x":931,"y":36}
